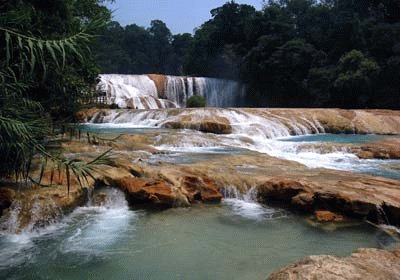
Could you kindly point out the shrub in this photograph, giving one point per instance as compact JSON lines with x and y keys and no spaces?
{"x":114,"y":106}
{"x":196,"y":102}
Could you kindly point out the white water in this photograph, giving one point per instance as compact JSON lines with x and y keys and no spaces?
{"x":253,"y":132}
{"x":132,"y":91}
{"x":90,"y":230}
{"x":140,"y":92}
{"x":245,"y":205}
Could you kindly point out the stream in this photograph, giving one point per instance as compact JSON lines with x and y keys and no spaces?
{"x":238,"y":239}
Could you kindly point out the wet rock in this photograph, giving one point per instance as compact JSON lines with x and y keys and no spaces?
{"x":153,"y":193}
{"x":313,"y":120}
{"x":6,"y":198}
{"x":385,"y":149}
{"x":33,"y":208}
{"x":327,"y":216}
{"x":99,"y":198}
{"x":364,"y":264}
{"x":215,"y":127}
{"x":160,"y":82}
{"x":202,"y":189}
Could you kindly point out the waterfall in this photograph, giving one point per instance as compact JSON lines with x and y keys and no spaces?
{"x":220,"y":93}
{"x":245,"y":205}
{"x":132,"y":91}
{"x":179,"y":89}
{"x":140,"y":91}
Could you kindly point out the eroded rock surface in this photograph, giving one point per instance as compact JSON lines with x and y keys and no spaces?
{"x":365,"y":264}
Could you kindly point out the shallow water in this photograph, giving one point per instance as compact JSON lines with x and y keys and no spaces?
{"x":119,"y":129}
{"x":188,"y":146}
{"x":239,"y":239}
{"x":336,"y":138}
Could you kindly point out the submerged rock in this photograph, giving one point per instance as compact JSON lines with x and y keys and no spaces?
{"x":327,"y":216}
{"x":364,"y":264}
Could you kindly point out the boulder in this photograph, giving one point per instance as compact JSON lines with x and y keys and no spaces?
{"x":201,"y":189}
{"x":207,"y":126}
{"x":151,"y":192}
{"x":365,"y":264}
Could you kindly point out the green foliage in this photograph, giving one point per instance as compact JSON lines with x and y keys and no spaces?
{"x":292,"y":53}
{"x":48,"y":64}
{"x":355,"y":78}
{"x":196,"y":101}
{"x":135,"y":50}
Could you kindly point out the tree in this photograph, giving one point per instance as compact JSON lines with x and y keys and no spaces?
{"x":161,"y":50}
{"x":355,"y":79}
{"x":48,"y":65}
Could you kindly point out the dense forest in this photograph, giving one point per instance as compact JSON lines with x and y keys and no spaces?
{"x":292,"y":53}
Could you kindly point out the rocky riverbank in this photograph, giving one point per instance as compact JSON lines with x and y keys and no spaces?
{"x":150,"y":179}
{"x":365,"y":264}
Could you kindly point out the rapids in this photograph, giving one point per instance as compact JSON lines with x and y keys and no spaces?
{"x":274,"y":135}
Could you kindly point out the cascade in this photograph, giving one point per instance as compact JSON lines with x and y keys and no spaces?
{"x":245,"y":205}
{"x":131,"y":91}
{"x":140,"y":91}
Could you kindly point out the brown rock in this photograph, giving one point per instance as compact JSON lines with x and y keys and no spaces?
{"x":154,"y":193}
{"x":385,"y":149}
{"x":160,"y":81}
{"x":203,"y":189}
{"x":282,"y":189}
{"x":332,"y":120}
{"x":39,"y":207}
{"x":205,"y":126}
{"x":327,"y":216}
{"x":365,"y":264}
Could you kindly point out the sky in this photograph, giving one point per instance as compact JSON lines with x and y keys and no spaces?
{"x":180,"y":15}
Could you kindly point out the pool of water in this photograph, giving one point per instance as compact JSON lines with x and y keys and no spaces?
{"x":119,"y":129}
{"x":337,"y":138}
{"x":239,"y":239}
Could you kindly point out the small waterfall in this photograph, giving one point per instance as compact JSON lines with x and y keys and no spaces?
{"x":88,"y":230}
{"x":40,"y":214}
{"x":140,"y":92}
{"x":245,"y":205}
{"x":381,"y":216}
{"x":179,"y":89}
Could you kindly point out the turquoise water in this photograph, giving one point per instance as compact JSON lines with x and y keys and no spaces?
{"x":345,"y":161}
{"x":118,"y":129}
{"x":239,"y":239}
{"x":337,"y":138}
